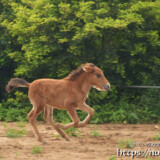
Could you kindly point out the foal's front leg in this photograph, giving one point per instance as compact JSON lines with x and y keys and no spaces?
{"x":75,"y":118}
{"x":73,"y":114}
{"x":90,"y":112}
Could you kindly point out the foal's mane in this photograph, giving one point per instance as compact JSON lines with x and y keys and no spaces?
{"x":76,"y":73}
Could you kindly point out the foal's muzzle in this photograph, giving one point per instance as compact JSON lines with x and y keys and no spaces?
{"x":106,"y":86}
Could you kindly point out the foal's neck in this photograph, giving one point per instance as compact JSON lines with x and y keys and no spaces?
{"x":83,"y":83}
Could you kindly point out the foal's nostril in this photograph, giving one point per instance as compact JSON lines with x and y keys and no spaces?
{"x":106,"y":87}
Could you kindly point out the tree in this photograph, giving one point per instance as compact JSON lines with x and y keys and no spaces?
{"x":50,"y":38}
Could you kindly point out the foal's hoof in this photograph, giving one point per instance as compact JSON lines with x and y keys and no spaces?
{"x":81,"y":125}
{"x":67,"y":139}
{"x":44,"y":142}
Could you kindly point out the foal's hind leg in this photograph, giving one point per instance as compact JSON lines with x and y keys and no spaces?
{"x":32,"y":118}
{"x":48,"y":116}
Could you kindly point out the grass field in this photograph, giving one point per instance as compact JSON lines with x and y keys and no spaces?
{"x":94,"y":142}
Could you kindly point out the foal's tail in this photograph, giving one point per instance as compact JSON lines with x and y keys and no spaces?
{"x":16,"y":82}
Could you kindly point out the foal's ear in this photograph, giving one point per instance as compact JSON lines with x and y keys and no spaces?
{"x":88,"y":69}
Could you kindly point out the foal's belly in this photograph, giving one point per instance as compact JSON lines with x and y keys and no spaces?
{"x":64,"y":103}
{"x":56,"y":103}
{"x":63,"y":97}
{"x":56,"y":107}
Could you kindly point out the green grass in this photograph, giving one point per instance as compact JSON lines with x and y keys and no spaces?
{"x":95,"y":126}
{"x":95,"y":134}
{"x":152,"y":159}
{"x":14,"y":133}
{"x":157,"y":137}
{"x":17,"y":132}
{"x":73,"y":132}
{"x":112,"y":158}
{"x":4,"y":124}
{"x":125,"y":143}
{"x":58,"y":136}
{"x":21,"y":124}
{"x":36,"y":150}
{"x":1,"y":157}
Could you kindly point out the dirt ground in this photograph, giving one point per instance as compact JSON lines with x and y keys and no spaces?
{"x":102,"y":145}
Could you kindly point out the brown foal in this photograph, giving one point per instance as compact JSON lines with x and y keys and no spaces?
{"x":69,"y":94}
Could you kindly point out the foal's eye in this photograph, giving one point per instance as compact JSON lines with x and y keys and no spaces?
{"x":98,"y":75}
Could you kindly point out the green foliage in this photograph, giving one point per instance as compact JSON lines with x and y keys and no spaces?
{"x":36,"y":150}
{"x":157,"y":137}
{"x":61,"y":116}
{"x":112,"y":158}
{"x":15,"y":110}
{"x":152,"y":159}
{"x":48,"y":39}
{"x":73,"y":132}
{"x":95,"y":133}
{"x":125,"y":143}
{"x":1,"y":157}
{"x":15,"y":132}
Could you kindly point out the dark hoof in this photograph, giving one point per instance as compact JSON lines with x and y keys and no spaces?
{"x":44,"y":143}
{"x":67,"y":139}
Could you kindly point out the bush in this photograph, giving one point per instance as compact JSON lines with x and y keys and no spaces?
{"x":108,"y":107}
{"x":15,"y":109}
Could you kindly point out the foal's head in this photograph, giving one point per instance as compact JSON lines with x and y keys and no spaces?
{"x":96,"y":77}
